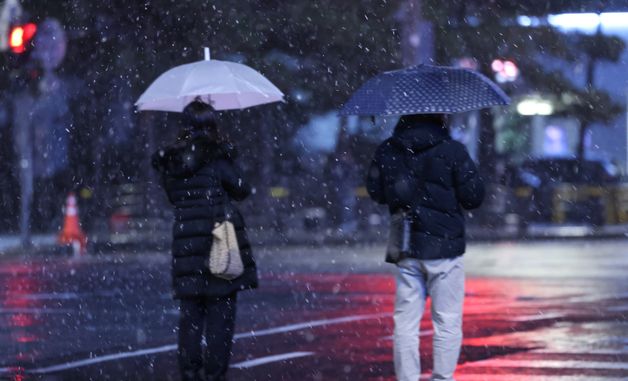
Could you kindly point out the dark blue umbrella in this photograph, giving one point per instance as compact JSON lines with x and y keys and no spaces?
{"x":425,"y":89}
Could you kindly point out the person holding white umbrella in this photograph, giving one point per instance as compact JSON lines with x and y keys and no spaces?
{"x":201,"y":177}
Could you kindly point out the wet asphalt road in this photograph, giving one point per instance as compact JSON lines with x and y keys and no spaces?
{"x":533,"y":311}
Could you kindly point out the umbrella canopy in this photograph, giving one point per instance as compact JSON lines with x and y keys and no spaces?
{"x":425,"y":89}
{"x":222,"y":84}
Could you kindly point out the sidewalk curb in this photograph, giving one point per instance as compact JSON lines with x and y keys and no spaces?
{"x":261,"y":237}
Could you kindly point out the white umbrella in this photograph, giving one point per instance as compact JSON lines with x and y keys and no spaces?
{"x":222,"y":84}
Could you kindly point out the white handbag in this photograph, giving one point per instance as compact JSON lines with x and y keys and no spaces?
{"x":225,"y":260}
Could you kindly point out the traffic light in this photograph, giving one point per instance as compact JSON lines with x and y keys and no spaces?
{"x":21,"y":37}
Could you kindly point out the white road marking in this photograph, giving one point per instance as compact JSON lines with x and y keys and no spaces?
{"x":270,"y":359}
{"x":427,"y":332}
{"x":568,"y":364}
{"x":36,"y":311}
{"x":310,"y":324}
{"x":517,"y":377}
{"x":618,"y":308}
{"x":539,"y":316}
{"x":597,"y":298}
{"x":96,"y":360}
{"x":62,"y":295}
{"x":47,"y":296}
{"x":173,"y":347}
{"x":607,"y":352}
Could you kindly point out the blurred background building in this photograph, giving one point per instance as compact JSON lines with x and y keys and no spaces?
{"x":73,"y":69}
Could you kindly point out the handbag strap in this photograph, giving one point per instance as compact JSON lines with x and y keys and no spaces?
{"x":226,"y":202}
{"x":227,"y":211}
{"x":226,"y":220}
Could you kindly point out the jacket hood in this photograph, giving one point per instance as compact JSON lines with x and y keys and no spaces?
{"x":185,"y":158}
{"x":419,"y":136}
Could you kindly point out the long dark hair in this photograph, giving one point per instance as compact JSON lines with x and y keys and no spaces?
{"x":200,"y":119}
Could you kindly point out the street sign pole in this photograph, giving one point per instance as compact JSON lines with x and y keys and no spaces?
{"x":417,"y":34}
{"x":22,"y":129}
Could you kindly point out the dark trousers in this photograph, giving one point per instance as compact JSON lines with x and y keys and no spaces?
{"x":213,"y":318}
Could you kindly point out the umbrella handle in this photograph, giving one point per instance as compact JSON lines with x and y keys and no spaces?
{"x":206,"y":54}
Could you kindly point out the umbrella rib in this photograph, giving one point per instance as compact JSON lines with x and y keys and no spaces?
{"x":255,"y":87}
{"x":185,"y":83}
{"x":235,"y":83}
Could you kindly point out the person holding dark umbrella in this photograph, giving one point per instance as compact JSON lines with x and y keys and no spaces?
{"x":426,"y":179}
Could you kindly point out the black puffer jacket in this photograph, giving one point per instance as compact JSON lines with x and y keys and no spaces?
{"x":201,"y":178}
{"x":421,"y":169}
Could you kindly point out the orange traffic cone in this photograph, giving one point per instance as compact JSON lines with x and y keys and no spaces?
{"x":71,"y":234}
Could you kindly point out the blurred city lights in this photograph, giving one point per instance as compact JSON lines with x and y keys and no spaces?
{"x":467,"y":63}
{"x":497,"y":65}
{"x":21,"y":36}
{"x":505,"y":70}
{"x":555,"y":142}
{"x":586,"y":22}
{"x":575,"y":20}
{"x":524,"y":21}
{"x":535,"y":106}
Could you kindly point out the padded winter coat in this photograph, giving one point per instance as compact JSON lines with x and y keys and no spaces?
{"x":201,"y":179}
{"x":420,"y":169}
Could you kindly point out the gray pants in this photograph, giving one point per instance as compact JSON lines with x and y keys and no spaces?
{"x":443,"y":281}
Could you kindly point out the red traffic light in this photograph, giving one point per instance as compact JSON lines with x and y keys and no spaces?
{"x":20,"y":37}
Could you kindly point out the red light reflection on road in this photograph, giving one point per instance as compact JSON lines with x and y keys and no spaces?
{"x":21,"y":320}
{"x":21,"y":310}
{"x":26,"y":338}
{"x":502,"y":317}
